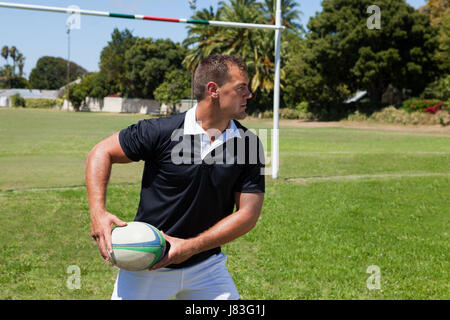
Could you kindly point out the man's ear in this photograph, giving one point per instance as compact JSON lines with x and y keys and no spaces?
{"x":213,"y":89}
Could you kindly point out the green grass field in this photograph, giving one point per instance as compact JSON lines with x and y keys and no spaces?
{"x":346,"y":199}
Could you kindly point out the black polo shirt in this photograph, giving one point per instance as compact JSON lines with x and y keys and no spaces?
{"x":181,"y":193}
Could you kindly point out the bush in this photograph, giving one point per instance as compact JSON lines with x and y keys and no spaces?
{"x":267,"y":114}
{"x":440,"y":89}
{"x":302,"y":107}
{"x":391,"y":115}
{"x":400,"y":116}
{"x":17,"y":101}
{"x":286,"y":113}
{"x":335,"y":111}
{"x":420,"y":105}
{"x":43,"y":103}
{"x":357,"y":116}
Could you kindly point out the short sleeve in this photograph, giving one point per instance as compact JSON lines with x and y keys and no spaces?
{"x":139,"y":141}
{"x":252,"y":178}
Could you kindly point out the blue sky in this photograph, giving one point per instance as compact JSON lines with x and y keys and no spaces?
{"x":38,"y":34}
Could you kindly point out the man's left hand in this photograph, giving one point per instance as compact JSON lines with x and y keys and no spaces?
{"x":180,"y":250}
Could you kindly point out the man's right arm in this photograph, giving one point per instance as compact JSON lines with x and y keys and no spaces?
{"x":98,"y":171}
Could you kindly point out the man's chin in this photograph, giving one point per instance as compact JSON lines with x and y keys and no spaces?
{"x":240,"y":116}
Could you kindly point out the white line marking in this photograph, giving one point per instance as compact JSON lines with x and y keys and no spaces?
{"x":367,"y":176}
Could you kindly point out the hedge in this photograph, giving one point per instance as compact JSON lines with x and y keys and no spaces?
{"x":43,"y":103}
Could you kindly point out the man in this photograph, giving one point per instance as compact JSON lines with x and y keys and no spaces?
{"x":199,"y":166}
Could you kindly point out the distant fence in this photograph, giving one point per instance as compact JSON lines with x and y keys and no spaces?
{"x":130,"y":105}
{"x":107,"y":104}
{"x":5,"y":95}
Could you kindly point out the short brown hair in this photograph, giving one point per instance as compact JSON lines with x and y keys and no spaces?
{"x":214,"y":68}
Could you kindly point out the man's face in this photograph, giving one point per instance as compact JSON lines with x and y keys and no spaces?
{"x":233,"y":95}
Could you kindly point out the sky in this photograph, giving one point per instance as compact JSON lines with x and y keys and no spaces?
{"x":36,"y":34}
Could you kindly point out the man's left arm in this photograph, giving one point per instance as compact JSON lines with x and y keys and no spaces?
{"x":237,"y":224}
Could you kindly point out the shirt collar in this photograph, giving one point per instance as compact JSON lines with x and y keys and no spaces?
{"x":192,"y":127}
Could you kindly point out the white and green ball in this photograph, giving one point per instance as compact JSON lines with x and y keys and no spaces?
{"x":137,"y":246}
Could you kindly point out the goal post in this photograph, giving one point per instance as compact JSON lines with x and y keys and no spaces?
{"x":278,"y":27}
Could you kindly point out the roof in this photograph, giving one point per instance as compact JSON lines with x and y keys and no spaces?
{"x":358,"y":95}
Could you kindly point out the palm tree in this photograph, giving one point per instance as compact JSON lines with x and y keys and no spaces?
{"x":9,"y":73}
{"x":263,"y":62}
{"x":289,"y":13}
{"x":255,"y":46}
{"x":20,"y":63}
{"x":5,"y":53}
{"x":209,"y":40}
{"x":241,"y":41}
{"x":199,"y":38}
{"x":13,"y":54}
{"x":237,"y":41}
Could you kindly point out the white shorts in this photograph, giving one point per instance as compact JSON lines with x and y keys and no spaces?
{"x":206,"y":280}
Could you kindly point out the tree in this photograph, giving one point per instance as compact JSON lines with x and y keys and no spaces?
{"x":51,"y":73}
{"x":176,"y":86}
{"x":6,"y":72}
{"x":5,"y":53}
{"x":15,"y":55}
{"x":92,"y":85}
{"x":79,"y":92}
{"x":255,"y":46}
{"x":198,"y":39}
{"x":439,"y":13}
{"x":346,"y":54}
{"x":101,"y":85}
{"x":20,"y":63}
{"x":290,"y":15}
{"x":13,"y":52}
{"x":8,"y":77}
{"x":147,"y":62}
{"x":444,"y":43}
{"x":135,"y":67}
{"x":437,"y":10}
{"x":112,"y":59}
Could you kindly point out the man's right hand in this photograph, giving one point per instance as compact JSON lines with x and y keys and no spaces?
{"x":98,"y":170}
{"x":101,"y":226}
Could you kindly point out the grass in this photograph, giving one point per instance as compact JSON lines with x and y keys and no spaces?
{"x":316,"y":241}
{"x":318,"y":232}
{"x":47,"y":149}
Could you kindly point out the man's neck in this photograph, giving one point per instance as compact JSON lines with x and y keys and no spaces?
{"x":210,"y":118}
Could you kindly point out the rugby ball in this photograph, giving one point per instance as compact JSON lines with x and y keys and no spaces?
{"x":137,"y":246}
